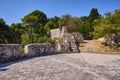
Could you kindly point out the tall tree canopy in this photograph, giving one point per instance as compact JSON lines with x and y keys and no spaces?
{"x":3,"y":25}
{"x":72,"y":23}
{"x":87,"y":26}
{"x":5,"y":33}
{"x":35,"y":17}
{"x":17,"y":29}
{"x":34,"y":24}
{"x":93,"y":15}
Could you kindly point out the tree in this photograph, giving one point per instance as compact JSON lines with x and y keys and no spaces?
{"x":64,"y":20}
{"x":87,"y":26}
{"x":93,"y":15}
{"x":3,"y":25}
{"x":17,"y":29}
{"x":51,"y":24}
{"x":34,"y":23}
{"x":35,"y":18}
{"x":72,"y":23}
{"x":5,"y":34}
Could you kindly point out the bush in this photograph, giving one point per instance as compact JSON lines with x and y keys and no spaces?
{"x":36,"y":39}
{"x":24,"y":39}
{"x":45,"y":40}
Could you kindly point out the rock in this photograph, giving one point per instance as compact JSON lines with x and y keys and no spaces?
{"x":113,"y":41}
{"x":102,"y":39}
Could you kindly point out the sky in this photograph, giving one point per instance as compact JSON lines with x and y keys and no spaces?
{"x":12,"y":11}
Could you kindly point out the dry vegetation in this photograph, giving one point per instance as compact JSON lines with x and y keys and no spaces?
{"x":95,"y":46}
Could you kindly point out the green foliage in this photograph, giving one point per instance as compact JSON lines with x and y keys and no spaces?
{"x":3,"y":25}
{"x":5,"y":34}
{"x":35,"y":27}
{"x":35,"y":17}
{"x":87,"y":26}
{"x":85,"y":30}
{"x":64,"y":20}
{"x":93,"y":15}
{"x":45,"y":40}
{"x":17,"y":30}
{"x":34,"y":23}
{"x":105,"y":27}
{"x":51,"y":24}
{"x":25,"y":39}
{"x":72,"y":23}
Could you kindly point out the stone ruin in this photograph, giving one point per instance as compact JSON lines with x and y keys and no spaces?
{"x":39,"y":49}
{"x":12,"y":52}
{"x":66,"y":42}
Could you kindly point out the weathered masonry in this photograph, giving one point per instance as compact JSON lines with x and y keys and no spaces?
{"x":39,"y":49}
{"x":10,"y":52}
{"x":66,"y":42}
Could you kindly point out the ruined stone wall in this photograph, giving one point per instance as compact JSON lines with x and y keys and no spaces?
{"x":39,"y":49}
{"x":10,"y":52}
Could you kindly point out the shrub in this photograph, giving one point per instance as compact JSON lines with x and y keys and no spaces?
{"x":45,"y":40}
{"x":25,"y":39}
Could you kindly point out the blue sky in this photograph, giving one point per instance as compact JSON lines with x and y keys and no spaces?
{"x":13,"y":10}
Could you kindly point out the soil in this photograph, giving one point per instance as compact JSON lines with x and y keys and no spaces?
{"x":95,"y":46}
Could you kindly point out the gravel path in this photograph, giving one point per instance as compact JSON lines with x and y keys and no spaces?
{"x":78,"y":66}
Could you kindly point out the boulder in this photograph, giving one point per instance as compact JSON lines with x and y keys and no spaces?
{"x":113,"y":41}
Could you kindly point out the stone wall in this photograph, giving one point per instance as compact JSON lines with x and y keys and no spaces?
{"x":39,"y":49}
{"x":10,"y":52}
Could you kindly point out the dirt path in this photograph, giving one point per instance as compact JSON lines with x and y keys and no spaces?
{"x":95,"y":46}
